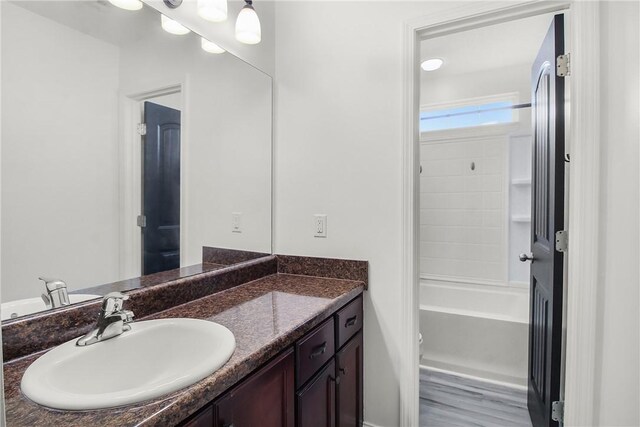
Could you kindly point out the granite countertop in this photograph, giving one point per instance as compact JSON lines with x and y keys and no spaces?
{"x":151,"y":279}
{"x":266,"y":316}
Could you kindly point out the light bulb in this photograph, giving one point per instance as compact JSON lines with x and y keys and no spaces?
{"x":173,"y":27}
{"x":213,"y":10}
{"x":210,"y":47}
{"x":127,"y":4}
{"x":248,"y":25}
{"x":432,"y":64}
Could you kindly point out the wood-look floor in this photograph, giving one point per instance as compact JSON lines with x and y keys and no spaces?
{"x":449,"y":400}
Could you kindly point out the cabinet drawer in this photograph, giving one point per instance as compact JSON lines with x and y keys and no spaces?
{"x":348,"y":321}
{"x":313,"y":351}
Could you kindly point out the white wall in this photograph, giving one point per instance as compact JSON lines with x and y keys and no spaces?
{"x":59,"y":155}
{"x":2,"y":413}
{"x":618,"y":376}
{"x":338,"y":151}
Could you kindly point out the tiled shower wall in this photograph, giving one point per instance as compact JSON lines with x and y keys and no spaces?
{"x":462,"y":209}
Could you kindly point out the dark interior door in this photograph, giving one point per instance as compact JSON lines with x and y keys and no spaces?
{"x":547,"y":217}
{"x":161,"y":189}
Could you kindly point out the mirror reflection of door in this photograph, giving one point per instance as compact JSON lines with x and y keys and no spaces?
{"x":160,"y":189}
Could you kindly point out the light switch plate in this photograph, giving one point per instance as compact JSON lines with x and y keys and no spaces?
{"x":320,"y":225}
{"x":236,"y":222}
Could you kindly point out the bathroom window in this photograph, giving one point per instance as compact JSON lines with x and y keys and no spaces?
{"x":479,"y":112}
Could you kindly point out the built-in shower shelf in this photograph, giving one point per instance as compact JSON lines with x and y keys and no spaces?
{"x":520,"y":182}
{"x":520,"y":218}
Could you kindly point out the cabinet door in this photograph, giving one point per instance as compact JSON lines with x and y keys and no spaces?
{"x":317,"y":400}
{"x":264,"y":399}
{"x":204,"y":418}
{"x":349,"y":388}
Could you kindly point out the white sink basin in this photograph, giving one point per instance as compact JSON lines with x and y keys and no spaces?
{"x":22,"y":307}
{"x":154,"y":358}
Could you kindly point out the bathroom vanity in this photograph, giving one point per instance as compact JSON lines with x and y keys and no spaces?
{"x":297,"y":323}
{"x":317,"y":381}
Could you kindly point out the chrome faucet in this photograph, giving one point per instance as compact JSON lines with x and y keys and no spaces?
{"x":56,"y":295}
{"x":112,"y":321}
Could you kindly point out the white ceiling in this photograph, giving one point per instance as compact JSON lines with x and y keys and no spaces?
{"x":99,"y":19}
{"x":509,"y":43}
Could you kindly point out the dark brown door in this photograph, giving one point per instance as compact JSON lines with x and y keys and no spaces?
{"x":265,"y":399}
{"x":545,"y":331}
{"x":161,"y":189}
{"x":349,"y":389}
{"x":317,"y":400}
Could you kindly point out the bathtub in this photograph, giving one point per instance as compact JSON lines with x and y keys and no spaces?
{"x":475,"y":329}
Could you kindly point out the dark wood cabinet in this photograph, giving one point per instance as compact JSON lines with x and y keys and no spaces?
{"x":333,"y":395}
{"x":265,"y":399}
{"x":316,"y":383}
{"x":349,"y":389}
{"x":317,"y":400}
{"x":348,"y":321}
{"x":203,"y":418}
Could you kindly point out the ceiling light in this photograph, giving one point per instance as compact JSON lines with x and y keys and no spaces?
{"x":210,"y":47}
{"x":127,"y":4}
{"x":248,"y":25}
{"x":432,"y":64}
{"x":213,"y":10}
{"x":173,"y":27}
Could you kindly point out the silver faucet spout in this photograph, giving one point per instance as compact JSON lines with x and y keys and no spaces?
{"x":112,"y":321}
{"x":56,"y":295}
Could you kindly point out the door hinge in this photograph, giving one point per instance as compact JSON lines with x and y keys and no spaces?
{"x":562,"y":240}
{"x":557,"y":411}
{"x":563,"y":65}
{"x":142,"y":128}
{"x":141,"y":221}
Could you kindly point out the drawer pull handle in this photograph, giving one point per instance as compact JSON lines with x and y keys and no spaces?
{"x":318,"y":350}
{"x":343,"y":371}
{"x":335,"y":380}
{"x":351,"y":321}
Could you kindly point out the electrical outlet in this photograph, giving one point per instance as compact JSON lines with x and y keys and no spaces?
{"x":320,"y":225}
{"x":236,"y":222}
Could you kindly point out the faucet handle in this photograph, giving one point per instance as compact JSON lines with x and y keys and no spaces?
{"x":128,"y":316}
{"x":113,"y":302}
{"x":52,"y":284}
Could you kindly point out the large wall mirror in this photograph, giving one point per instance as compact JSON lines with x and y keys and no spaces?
{"x":125,"y":150}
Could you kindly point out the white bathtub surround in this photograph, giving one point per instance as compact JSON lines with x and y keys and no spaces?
{"x":462,"y":205}
{"x":473,"y":329}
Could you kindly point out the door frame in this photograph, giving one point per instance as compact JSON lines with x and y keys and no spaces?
{"x":131,"y":173}
{"x":584,"y":197}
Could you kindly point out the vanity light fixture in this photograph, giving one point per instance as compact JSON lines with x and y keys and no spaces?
{"x":173,"y":27}
{"x":127,"y":4}
{"x":210,"y":47}
{"x":248,"y":25}
{"x":213,"y":10}
{"x":432,"y":64}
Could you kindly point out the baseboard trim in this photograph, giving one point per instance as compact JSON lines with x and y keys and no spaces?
{"x":473,"y":377}
{"x":366,"y":424}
